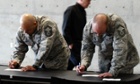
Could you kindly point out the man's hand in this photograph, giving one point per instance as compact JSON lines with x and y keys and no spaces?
{"x":80,"y":69}
{"x":105,"y":75}
{"x":70,"y":46}
{"x":28,"y":68}
{"x":13,"y":64}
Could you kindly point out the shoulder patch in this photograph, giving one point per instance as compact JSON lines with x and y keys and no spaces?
{"x":121,"y":32}
{"x":48,"y":31}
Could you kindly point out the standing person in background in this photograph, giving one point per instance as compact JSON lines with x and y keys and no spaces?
{"x":73,"y":24}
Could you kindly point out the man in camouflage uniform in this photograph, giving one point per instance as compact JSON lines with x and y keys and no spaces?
{"x":117,"y":52}
{"x":41,"y":33}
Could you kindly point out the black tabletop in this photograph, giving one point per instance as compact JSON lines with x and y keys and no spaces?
{"x":73,"y":77}
{"x":46,"y":75}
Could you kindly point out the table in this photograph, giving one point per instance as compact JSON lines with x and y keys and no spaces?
{"x":59,"y":77}
{"x":72,"y":78}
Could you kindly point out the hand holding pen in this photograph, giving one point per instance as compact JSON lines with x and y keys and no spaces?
{"x":13,"y":63}
{"x":80,"y":68}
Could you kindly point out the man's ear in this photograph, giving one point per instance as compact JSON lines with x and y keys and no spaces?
{"x":35,"y":23}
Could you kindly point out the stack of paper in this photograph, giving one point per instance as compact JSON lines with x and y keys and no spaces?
{"x":111,"y":79}
{"x":12,"y":69}
{"x":90,"y":75}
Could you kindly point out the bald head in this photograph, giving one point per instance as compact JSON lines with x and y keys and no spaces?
{"x":28,"y":23}
{"x":84,"y":3}
{"x":99,"y":24}
{"x":101,"y":17}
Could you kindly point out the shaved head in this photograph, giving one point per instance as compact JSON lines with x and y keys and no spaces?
{"x":27,"y":19}
{"x":28,"y":23}
{"x":99,"y":24}
{"x":101,"y":17}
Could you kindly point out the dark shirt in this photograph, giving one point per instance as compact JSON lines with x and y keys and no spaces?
{"x":73,"y":23}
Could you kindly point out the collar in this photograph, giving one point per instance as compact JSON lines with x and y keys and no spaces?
{"x":79,"y":6}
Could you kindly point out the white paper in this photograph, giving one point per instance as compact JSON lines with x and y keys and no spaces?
{"x":12,"y":69}
{"x":111,"y":79}
{"x":90,"y":75}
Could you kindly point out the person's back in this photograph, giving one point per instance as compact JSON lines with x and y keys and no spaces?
{"x":118,"y":47}
{"x":76,"y":21}
{"x":59,"y":53}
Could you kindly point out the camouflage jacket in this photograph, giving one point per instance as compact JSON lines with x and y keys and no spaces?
{"x":117,"y":52}
{"x":47,"y":43}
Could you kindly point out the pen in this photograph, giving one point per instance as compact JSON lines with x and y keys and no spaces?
{"x":79,"y":69}
{"x":11,"y":57}
{"x":79,"y":65}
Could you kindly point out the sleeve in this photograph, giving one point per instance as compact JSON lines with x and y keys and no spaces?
{"x":120,"y":47}
{"x":45,"y":46}
{"x":67,"y":25}
{"x":20,"y":48}
{"x":88,"y":48}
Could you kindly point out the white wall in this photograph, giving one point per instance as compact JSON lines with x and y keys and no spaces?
{"x":11,"y":10}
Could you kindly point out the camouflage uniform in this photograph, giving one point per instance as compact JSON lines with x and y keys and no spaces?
{"x":117,"y":52}
{"x":47,"y":43}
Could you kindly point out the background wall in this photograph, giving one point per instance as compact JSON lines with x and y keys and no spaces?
{"x":11,"y":10}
